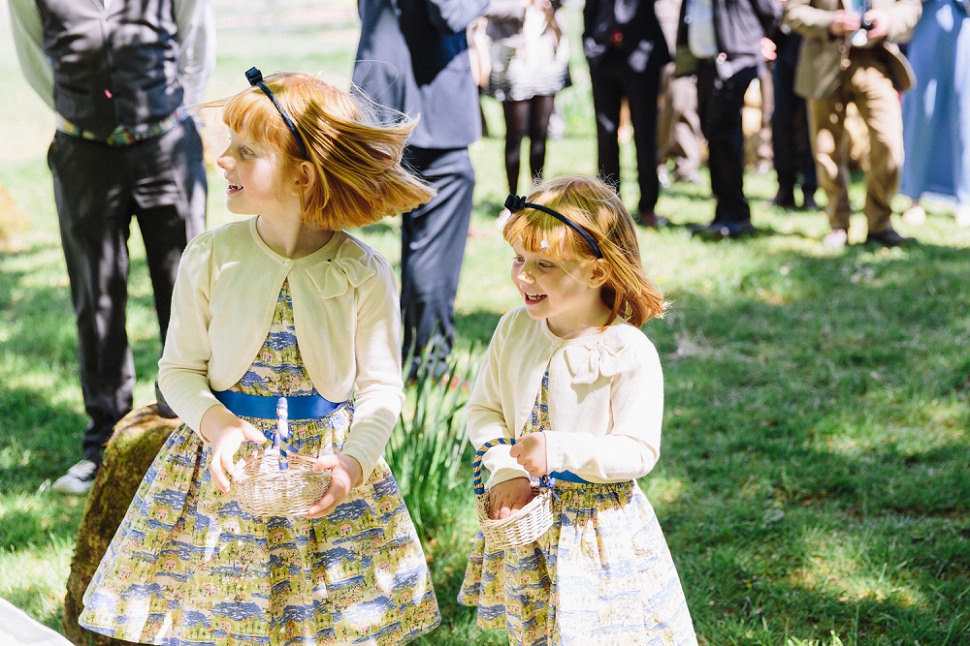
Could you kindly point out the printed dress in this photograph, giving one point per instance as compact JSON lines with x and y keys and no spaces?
{"x":188,"y":567}
{"x":601,"y":576}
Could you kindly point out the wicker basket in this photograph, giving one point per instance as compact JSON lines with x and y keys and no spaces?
{"x":263,"y":489}
{"x":521,"y":527}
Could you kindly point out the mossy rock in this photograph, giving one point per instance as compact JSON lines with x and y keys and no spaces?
{"x":136,"y":440}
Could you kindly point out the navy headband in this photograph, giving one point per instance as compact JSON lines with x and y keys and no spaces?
{"x":255,"y":77}
{"x":514,"y":204}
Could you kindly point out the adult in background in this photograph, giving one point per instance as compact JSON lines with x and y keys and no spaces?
{"x":841,"y":63}
{"x":724,"y":42}
{"x":679,"y":127}
{"x":529,"y":64}
{"x":936,"y":113}
{"x":413,"y":59}
{"x":119,"y":75}
{"x":626,"y":52}
{"x":793,"y":159}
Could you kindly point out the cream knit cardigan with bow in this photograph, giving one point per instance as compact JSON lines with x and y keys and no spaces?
{"x":605,"y":399}
{"x":346,"y":313}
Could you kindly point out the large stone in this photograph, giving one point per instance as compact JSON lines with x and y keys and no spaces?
{"x":130,"y":451}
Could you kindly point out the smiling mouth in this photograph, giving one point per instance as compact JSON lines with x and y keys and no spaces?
{"x":234,"y":187}
{"x":533,"y":298}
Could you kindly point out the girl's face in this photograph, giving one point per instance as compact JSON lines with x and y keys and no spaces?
{"x":562,"y":291}
{"x":253,"y":170}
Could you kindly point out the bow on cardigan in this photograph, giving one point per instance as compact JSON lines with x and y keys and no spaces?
{"x":340,"y":275}
{"x":588,"y":363}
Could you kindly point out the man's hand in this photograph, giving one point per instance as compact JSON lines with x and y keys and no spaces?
{"x":769,"y":50}
{"x":530,"y":452}
{"x":509,"y":496}
{"x":844,"y":22}
{"x":345,"y":472}
{"x":881,"y":24}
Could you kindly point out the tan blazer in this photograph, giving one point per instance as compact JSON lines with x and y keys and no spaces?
{"x":824,"y":57}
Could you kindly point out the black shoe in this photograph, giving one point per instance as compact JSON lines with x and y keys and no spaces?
{"x":164,"y":410}
{"x":784,"y":199}
{"x":720,"y":230}
{"x":808,"y":203}
{"x":652,"y":220}
{"x":889,"y":238}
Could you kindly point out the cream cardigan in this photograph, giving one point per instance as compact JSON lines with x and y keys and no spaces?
{"x":346,"y":313}
{"x":605,"y":399}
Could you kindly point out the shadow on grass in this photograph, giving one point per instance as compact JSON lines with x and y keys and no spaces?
{"x":42,"y":420}
{"x":814,"y":475}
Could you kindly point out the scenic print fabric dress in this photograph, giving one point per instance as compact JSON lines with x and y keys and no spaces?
{"x":601,"y":576}
{"x":189,"y":567}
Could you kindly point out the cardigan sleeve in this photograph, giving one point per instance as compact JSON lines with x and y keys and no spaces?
{"x":380,"y":386}
{"x":632,"y":446}
{"x":183,"y":368}
{"x":486,"y":411}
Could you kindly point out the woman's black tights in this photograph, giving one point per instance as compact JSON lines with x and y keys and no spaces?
{"x":529,"y":117}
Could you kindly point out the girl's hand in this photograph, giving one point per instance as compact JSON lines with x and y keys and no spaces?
{"x":530,"y":452}
{"x":226,"y":433}
{"x":509,"y":496}
{"x":345,"y":471}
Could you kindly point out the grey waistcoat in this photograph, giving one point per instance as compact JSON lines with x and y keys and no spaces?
{"x":113,"y":66}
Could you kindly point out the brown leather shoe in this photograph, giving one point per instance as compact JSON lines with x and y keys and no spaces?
{"x":889,"y":238}
{"x":652,"y":220}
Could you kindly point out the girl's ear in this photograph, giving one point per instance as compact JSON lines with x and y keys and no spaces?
{"x":306,"y":177}
{"x":599,"y":273}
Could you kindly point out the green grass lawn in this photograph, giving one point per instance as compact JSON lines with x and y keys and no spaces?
{"x":814,"y":484}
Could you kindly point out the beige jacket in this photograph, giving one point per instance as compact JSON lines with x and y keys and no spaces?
{"x":346,"y":314}
{"x":605,"y":399}
{"x":824,"y":57}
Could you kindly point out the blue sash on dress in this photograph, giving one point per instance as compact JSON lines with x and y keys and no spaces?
{"x":260,"y":407}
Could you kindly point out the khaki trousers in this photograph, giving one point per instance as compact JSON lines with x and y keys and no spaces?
{"x":679,"y":126}
{"x":866,"y":82}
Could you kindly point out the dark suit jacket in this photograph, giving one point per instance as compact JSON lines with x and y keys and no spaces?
{"x":739,"y":26}
{"x":413,"y":58}
{"x":641,"y":39}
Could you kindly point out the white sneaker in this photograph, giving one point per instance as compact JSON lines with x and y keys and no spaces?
{"x":915,"y":215}
{"x":78,"y":479}
{"x":835,"y":239}
{"x":963,"y":216}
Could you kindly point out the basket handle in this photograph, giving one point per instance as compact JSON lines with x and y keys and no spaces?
{"x":477,"y":463}
{"x":544,"y":481}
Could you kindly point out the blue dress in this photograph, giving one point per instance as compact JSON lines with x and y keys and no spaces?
{"x":936,"y":112}
{"x":189,"y":567}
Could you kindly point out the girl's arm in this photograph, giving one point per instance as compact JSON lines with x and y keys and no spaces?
{"x":486,"y":408}
{"x":380,"y":386}
{"x":184,"y":366}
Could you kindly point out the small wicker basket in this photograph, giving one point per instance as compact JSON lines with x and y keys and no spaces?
{"x":263,"y":489}
{"x":278,"y":481}
{"x":521,"y":527}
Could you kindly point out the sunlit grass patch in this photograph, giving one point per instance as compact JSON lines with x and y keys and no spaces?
{"x":841,"y":564}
